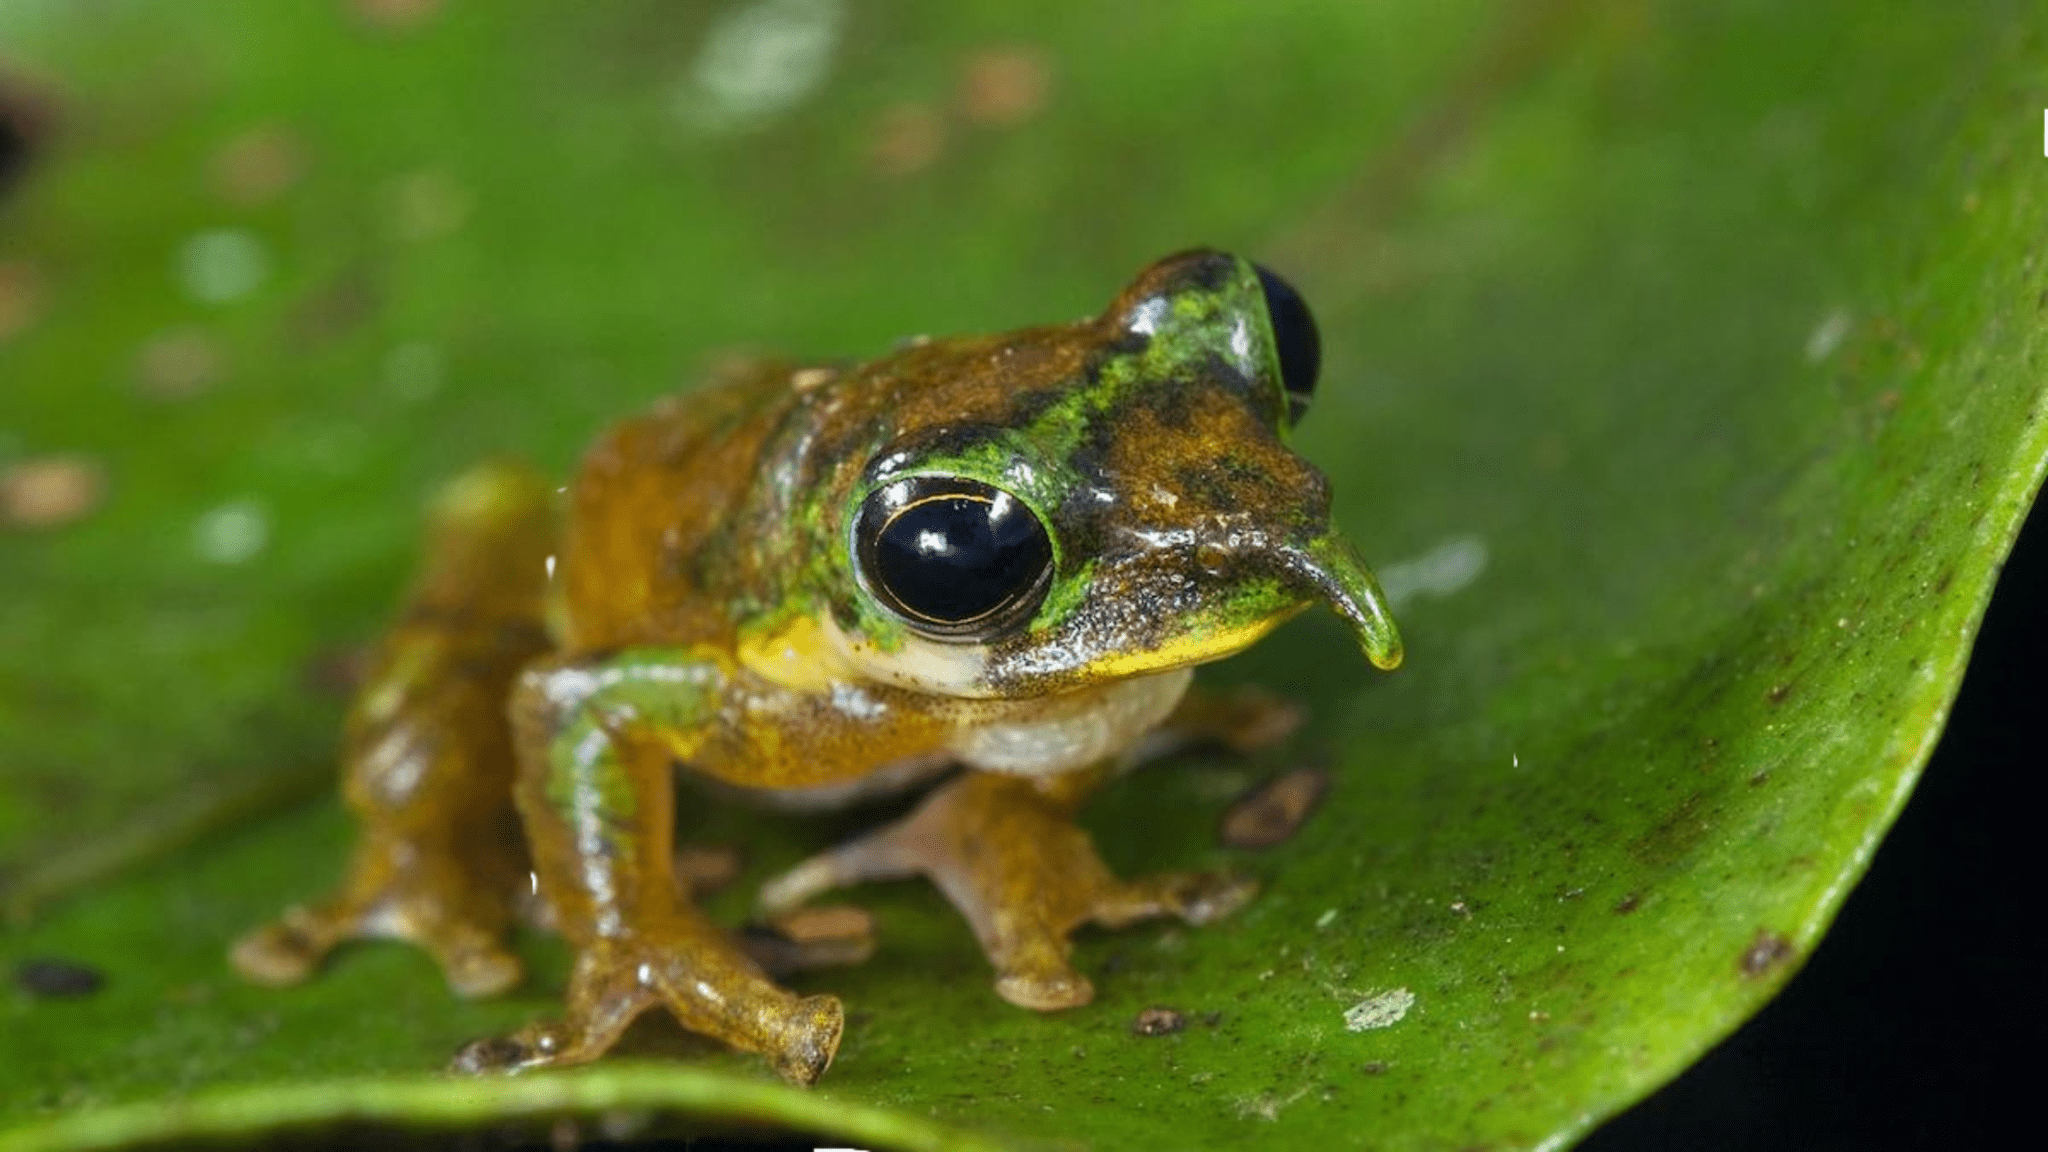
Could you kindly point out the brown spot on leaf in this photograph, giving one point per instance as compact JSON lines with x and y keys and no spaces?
{"x":1274,"y":812}
{"x":1768,"y":951}
{"x":21,"y":297}
{"x":825,"y":937}
{"x":257,"y":166}
{"x":1158,"y":1020}
{"x":50,"y":978}
{"x":427,"y":205}
{"x":50,"y":490}
{"x":333,"y":310}
{"x":908,"y":138}
{"x":828,"y":922}
{"x":1778,"y":693}
{"x":1668,"y":840}
{"x":1006,"y":86}
{"x":1628,"y":904}
{"x":394,"y":15}
{"x":178,"y":364}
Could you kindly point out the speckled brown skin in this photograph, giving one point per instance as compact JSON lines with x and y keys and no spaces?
{"x":707,"y":611}
{"x":428,"y":753}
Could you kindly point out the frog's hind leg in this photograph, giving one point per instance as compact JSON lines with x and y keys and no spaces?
{"x":1006,"y":852}
{"x":428,"y":761}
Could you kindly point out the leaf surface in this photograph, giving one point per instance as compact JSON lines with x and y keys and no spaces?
{"x":1683,"y":377}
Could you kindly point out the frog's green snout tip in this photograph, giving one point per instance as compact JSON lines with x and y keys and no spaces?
{"x":1334,"y":571}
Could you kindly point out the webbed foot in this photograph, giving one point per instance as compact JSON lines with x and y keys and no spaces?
{"x":712,"y":992}
{"x":1011,"y":859}
{"x":410,"y":893}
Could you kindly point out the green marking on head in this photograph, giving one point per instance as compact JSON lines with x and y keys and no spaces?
{"x":1133,"y":463}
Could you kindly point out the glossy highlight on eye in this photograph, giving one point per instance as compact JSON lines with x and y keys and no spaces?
{"x":955,"y":558}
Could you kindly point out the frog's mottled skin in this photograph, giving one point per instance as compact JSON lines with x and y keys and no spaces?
{"x":704,"y":609}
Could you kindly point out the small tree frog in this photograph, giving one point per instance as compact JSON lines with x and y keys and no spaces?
{"x":983,"y":566}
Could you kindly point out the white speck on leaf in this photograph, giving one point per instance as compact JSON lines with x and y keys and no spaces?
{"x":413,"y":370}
{"x":1827,"y":335}
{"x":1266,"y":1106}
{"x":232,"y":533}
{"x":758,"y":61}
{"x":222,"y":265}
{"x":1446,"y":568}
{"x":1380,"y":1011}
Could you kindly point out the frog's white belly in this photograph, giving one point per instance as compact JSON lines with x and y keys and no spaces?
{"x":1061,"y":739}
{"x":1042,"y":737}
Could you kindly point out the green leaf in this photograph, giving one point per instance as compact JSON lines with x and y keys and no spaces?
{"x":1684,"y":379}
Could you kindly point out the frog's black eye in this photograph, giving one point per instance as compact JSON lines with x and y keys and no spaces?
{"x":955,"y":558}
{"x":1294,"y":335}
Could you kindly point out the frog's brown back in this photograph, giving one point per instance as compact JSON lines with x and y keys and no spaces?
{"x":651,"y":497}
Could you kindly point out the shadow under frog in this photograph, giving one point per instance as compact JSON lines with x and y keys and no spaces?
{"x":1003,"y":552}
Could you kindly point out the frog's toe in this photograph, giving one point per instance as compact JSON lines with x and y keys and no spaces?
{"x":1045,"y":990}
{"x":475,"y":965}
{"x":810,"y":1034}
{"x":1196,"y":897}
{"x":492,"y":1054}
{"x":1206,"y":897}
{"x":273,"y":955}
{"x":290,"y":948}
{"x":1032,"y":969}
{"x":614,"y":981}
{"x":581,"y":1038}
{"x":884,"y":854}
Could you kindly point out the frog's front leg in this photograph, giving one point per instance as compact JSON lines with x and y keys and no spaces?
{"x":1006,"y":852}
{"x":596,"y":793}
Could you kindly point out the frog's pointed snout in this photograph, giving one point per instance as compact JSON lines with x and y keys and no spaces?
{"x":1329,"y":567}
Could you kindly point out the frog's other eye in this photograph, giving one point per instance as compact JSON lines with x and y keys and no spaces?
{"x":955,"y":558}
{"x":1295,"y":337}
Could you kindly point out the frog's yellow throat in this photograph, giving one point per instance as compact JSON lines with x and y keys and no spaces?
{"x":1187,"y":650}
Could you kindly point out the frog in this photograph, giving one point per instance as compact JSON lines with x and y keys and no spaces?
{"x":978,"y":571}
